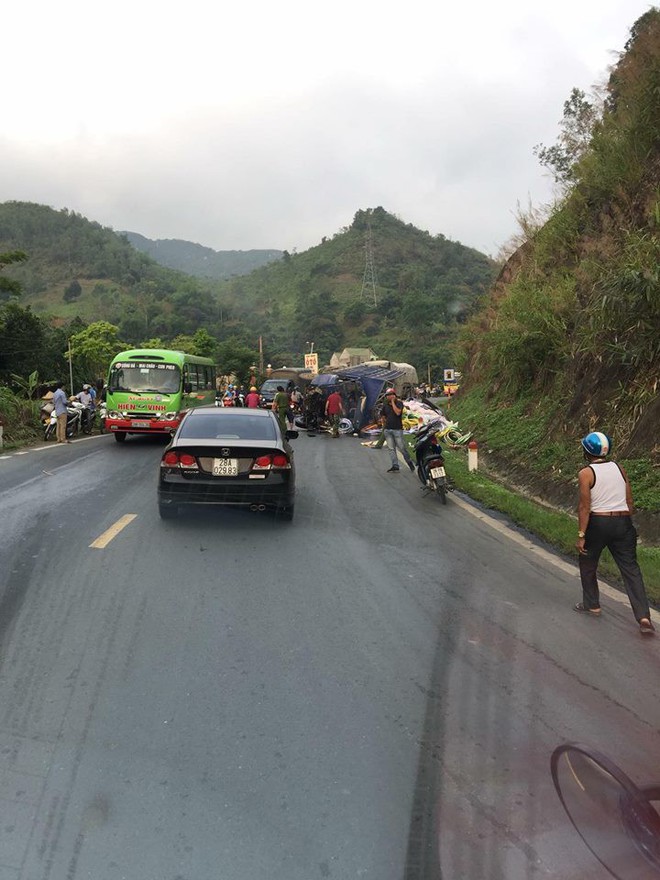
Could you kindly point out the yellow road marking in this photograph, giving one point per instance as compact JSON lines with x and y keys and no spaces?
{"x":107,"y":536}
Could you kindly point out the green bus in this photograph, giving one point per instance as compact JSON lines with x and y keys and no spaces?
{"x":150,"y":389}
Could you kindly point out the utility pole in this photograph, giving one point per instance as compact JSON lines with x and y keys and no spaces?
{"x":261,"y":357}
{"x":70,"y":368}
{"x":369,"y":277}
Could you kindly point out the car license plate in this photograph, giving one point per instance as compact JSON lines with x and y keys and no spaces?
{"x":438,"y":472}
{"x":143,"y":424}
{"x":225,"y":467}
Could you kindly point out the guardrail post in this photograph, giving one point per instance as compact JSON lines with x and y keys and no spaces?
{"x":473,"y":455}
{"x":1,"y":432}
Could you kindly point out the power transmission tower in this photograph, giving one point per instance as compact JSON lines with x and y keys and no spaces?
{"x":369,"y":277}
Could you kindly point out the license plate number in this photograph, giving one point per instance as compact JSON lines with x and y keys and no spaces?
{"x":438,"y":472}
{"x":225,"y":467}
{"x":143,"y":424}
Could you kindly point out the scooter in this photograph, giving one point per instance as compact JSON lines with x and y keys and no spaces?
{"x":430,"y":460}
{"x":73,"y":421}
{"x":103,"y":412}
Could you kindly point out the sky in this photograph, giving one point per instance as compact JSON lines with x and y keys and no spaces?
{"x":266,"y":124}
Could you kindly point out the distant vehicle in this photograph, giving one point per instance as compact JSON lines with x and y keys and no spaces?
{"x":149,"y":390}
{"x":288,"y":379}
{"x":229,"y":457}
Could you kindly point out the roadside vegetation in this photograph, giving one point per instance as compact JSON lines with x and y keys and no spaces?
{"x":568,"y":338}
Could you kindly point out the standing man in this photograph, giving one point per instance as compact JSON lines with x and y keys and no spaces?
{"x":280,"y":406}
{"x":59,"y":405}
{"x":392,"y":413}
{"x":334,"y":409}
{"x":605,"y":509}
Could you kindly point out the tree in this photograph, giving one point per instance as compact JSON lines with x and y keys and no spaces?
{"x":21,"y":340}
{"x":577,"y":128}
{"x":8,"y":286}
{"x":204,"y":344}
{"x":95,"y":346}
{"x":235,"y":357}
{"x":72,"y":291}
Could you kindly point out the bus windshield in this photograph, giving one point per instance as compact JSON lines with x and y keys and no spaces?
{"x":142,"y":377}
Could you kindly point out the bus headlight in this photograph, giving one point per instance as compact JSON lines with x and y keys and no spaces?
{"x":113,"y":414}
{"x":171,"y":416}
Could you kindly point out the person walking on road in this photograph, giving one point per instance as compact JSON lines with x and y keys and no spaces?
{"x":280,"y":406}
{"x":252,"y":398}
{"x":60,"y":406}
{"x":392,"y":412}
{"x":334,"y":409}
{"x":605,"y":509}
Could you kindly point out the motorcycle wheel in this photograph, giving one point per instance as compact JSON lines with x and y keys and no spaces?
{"x":101,"y":426}
{"x":49,"y":431}
{"x":441,"y":490}
{"x":88,"y":426}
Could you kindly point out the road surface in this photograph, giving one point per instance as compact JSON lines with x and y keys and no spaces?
{"x":372,"y":691}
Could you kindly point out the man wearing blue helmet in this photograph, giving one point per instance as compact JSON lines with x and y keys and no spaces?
{"x":605,"y":510}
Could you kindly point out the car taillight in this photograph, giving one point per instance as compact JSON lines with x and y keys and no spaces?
{"x":278,"y":461}
{"x":178,"y":459}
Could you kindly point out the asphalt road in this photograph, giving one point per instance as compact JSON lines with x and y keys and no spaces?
{"x":372,"y":691}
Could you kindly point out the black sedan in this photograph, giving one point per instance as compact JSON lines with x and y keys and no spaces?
{"x":234,"y":457}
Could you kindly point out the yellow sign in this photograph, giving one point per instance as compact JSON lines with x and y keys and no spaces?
{"x":312,"y":362}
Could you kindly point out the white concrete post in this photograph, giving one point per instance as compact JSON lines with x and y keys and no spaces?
{"x":473,"y":455}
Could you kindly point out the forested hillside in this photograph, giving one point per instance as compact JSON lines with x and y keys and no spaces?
{"x":569,"y":338}
{"x":425,"y":287}
{"x":203,"y":262}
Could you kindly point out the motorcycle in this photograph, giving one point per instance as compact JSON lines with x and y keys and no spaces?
{"x":73,"y":421}
{"x":103,"y":412}
{"x":430,"y":460}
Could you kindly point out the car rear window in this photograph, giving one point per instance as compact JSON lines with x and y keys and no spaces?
{"x":229,"y":426}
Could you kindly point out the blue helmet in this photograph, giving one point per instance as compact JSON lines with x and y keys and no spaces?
{"x":597,"y":444}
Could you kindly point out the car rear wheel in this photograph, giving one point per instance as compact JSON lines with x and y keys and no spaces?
{"x":167,"y":511}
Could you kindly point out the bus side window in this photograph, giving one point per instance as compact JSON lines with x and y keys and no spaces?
{"x":192,"y":372}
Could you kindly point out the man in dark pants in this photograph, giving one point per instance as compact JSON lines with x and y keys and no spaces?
{"x":605,"y":510}
{"x":392,"y":413}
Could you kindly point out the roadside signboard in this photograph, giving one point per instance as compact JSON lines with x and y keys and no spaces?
{"x":312,"y":362}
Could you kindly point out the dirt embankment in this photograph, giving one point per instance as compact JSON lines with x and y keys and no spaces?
{"x":560,"y":497}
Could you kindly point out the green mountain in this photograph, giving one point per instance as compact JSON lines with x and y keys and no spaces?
{"x":380,"y":283}
{"x":203,"y":262}
{"x":423,"y":288}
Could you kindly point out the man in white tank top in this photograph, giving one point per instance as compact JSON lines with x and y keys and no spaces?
{"x":605,"y":510}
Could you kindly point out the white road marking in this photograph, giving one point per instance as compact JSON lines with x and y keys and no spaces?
{"x":605,"y":588}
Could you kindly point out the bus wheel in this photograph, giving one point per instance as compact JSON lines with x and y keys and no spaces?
{"x":120,"y":436}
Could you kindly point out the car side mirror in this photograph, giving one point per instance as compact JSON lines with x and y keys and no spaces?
{"x":292,"y":435}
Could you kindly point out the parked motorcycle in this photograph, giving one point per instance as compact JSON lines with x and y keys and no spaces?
{"x":73,"y":421}
{"x":430,"y":460}
{"x":87,"y":419}
{"x":102,"y":410}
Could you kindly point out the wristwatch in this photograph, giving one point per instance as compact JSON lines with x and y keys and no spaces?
{"x":580,"y":534}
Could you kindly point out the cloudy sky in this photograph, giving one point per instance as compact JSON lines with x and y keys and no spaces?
{"x":262,"y":124}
